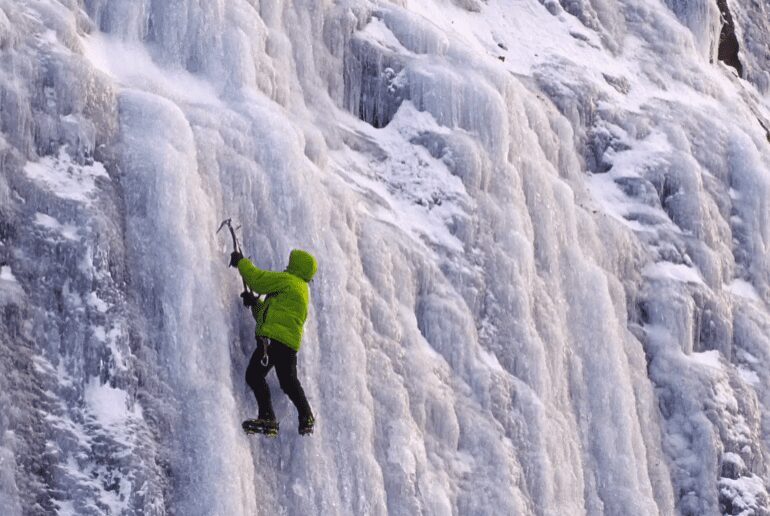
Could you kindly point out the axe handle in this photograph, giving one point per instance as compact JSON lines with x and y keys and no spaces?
{"x":235,"y":240}
{"x":236,"y":247}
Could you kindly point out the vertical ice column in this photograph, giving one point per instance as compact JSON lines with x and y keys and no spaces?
{"x":170,"y":221}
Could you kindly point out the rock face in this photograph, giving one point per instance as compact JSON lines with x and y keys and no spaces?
{"x":543,"y":236}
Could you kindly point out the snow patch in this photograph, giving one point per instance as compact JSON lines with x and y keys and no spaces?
{"x":110,"y":406}
{"x":672,"y":271}
{"x":376,"y":31}
{"x":748,"y":376}
{"x":10,"y":288}
{"x":95,"y":302}
{"x":707,"y":358}
{"x":420,"y":194}
{"x":68,"y":231}
{"x":6,"y":274}
{"x":65,"y":178}
{"x":99,"y":333}
{"x":747,"y":494}
{"x":65,"y":508}
{"x":744,"y":289}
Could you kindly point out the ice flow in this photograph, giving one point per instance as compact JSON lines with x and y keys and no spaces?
{"x":542,"y":230}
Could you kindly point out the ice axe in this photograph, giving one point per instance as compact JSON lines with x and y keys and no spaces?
{"x":236,"y":247}
{"x":229,"y":224}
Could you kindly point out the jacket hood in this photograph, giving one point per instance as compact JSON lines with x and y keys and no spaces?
{"x":301,"y":264}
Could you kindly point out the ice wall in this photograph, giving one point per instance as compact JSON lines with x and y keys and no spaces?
{"x":542,"y":234}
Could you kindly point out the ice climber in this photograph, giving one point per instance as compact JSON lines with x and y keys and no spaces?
{"x":280,"y":317}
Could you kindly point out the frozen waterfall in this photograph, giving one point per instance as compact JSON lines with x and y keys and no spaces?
{"x":543,"y":236}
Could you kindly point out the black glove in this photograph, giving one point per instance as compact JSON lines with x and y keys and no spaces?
{"x":249,"y":299}
{"x":235,"y":257}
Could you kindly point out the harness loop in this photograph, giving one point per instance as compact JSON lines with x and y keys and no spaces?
{"x":265,"y":359}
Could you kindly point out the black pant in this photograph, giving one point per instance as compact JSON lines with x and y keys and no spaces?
{"x":285,"y":361}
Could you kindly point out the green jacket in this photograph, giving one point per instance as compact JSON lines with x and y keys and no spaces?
{"x":282,"y":314}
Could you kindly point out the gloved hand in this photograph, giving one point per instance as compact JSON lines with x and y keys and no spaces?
{"x":249,"y":299}
{"x":235,"y":257}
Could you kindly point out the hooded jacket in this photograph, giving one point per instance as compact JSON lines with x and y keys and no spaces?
{"x":282,"y":315}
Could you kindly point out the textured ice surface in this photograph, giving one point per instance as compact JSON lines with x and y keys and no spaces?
{"x":543,"y":235}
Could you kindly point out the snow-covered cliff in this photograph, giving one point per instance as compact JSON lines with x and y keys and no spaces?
{"x":543,"y":235}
